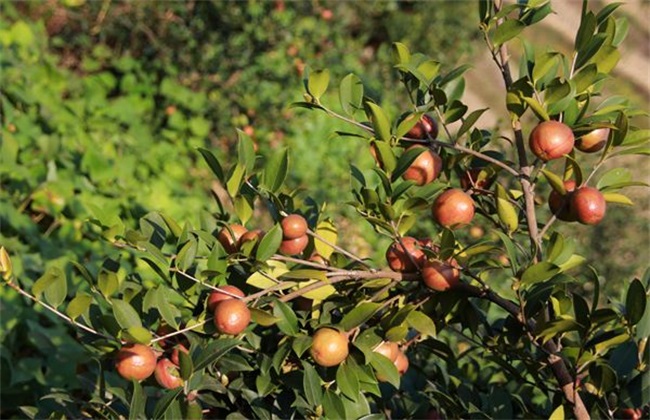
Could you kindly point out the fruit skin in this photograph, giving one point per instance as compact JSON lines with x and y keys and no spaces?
{"x":294,"y":246}
{"x":175,"y":357}
{"x":424,"y":169}
{"x":588,"y":205}
{"x":593,"y":141}
{"x":556,"y":201}
{"x":388,"y":349}
{"x":135,"y":361}
{"x":251,"y":235}
{"x":216,"y":296}
{"x":231,"y":316}
{"x":551,"y":140}
{"x":441,"y":276}
{"x":293,"y":226}
{"x":426,"y":125}
{"x":453,"y":208}
{"x":167,"y":374}
{"x":230,"y":243}
{"x":402,"y":363}
{"x":329,"y":347}
{"x":629,"y":413}
{"x":398,"y":259}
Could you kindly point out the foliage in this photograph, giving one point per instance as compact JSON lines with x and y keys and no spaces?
{"x":515,"y":338}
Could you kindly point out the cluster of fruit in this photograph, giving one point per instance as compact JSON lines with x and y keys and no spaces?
{"x":552,"y":140}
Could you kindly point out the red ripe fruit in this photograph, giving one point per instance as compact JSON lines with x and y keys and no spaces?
{"x":251,"y":235}
{"x":453,"y":208}
{"x":229,"y":240}
{"x":424,"y":169}
{"x":135,"y":361}
{"x":441,"y":275}
{"x":593,"y":141}
{"x":426,"y":126}
{"x":551,"y":140}
{"x":294,"y":246}
{"x":216,"y":296}
{"x":231,"y":316}
{"x":293,"y":226}
{"x":588,"y":205}
{"x":560,"y":205}
{"x":167,"y":374}
{"x":398,"y":259}
{"x":175,"y":358}
{"x":402,"y":363}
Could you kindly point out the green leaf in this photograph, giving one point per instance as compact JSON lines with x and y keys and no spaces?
{"x":510,"y":250}
{"x":613,"y":177}
{"x":421,"y":323}
{"x":165,"y":402}
{"x":79,"y":305}
{"x":125,"y":315}
{"x":138,"y":402}
{"x":318,"y":82}
{"x":186,"y":255}
{"x":591,"y":48}
{"x":405,"y":161}
{"x":244,"y":207}
{"x":386,"y":155}
{"x":275,"y":171}
{"x":508,"y":215}
{"x":137,"y":335}
{"x":347,"y":380}
{"x":235,"y":180}
{"x":213,"y":163}
{"x":360,"y":314}
{"x":635,"y":302}
{"x":429,"y":69}
{"x":262,"y":318}
{"x":469,"y":121}
{"x":351,"y":94}
{"x":385,"y":369}
{"x":617,"y":198}
{"x":172,"y":225}
{"x":245,"y":151}
{"x":107,"y":282}
{"x":333,"y":406}
{"x":214,"y":351}
{"x":379,"y":120}
{"x":455,"y":111}
{"x":51,"y":276}
{"x":539,"y":272}
{"x":287,"y":319}
{"x":186,"y":367}
{"x":507,"y":30}
{"x":555,"y":181}
{"x":311,"y":383}
{"x":537,"y":108}
{"x":586,"y":30}
{"x":400,"y":53}
{"x":269,"y":243}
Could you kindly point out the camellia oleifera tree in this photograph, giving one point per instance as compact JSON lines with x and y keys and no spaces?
{"x":259,"y":312}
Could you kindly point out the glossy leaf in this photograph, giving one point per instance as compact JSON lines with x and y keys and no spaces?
{"x":507,"y":30}
{"x":214,"y":351}
{"x":347,"y":381}
{"x":360,"y":314}
{"x":138,"y":401}
{"x":351,"y":94}
{"x":318,"y":82}
{"x":539,"y":272}
{"x":79,"y":305}
{"x":635,"y":302}
{"x":269,"y":243}
{"x":125,"y":315}
{"x":164,"y":403}
{"x":379,"y":120}
{"x":276,"y":170}
{"x":311,"y":384}
{"x":213,"y":163}
{"x":287,"y":320}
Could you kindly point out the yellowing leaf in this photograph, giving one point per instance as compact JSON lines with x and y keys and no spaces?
{"x":262,"y":281}
{"x":327,"y":231}
{"x":558,"y":413}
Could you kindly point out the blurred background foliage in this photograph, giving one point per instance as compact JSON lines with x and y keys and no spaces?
{"x":104,"y":105}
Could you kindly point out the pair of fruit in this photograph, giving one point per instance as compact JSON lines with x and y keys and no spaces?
{"x":138,"y":362}
{"x":392,"y":351}
{"x":294,"y":235}
{"x":552,"y":139}
{"x":586,"y":205}
{"x":231,"y":315}
{"x":408,"y":256}
{"x":232,"y":237}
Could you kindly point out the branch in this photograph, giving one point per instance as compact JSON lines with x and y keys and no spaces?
{"x":57,"y":313}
